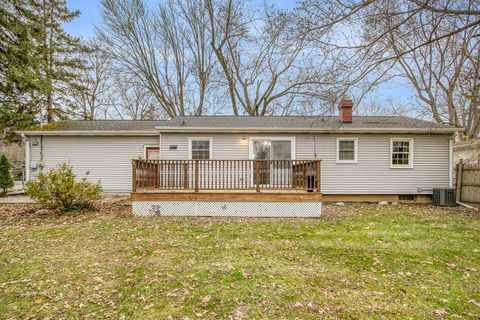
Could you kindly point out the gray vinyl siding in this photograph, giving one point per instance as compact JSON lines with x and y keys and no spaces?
{"x":370,"y":175}
{"x":225,"y":146}
{"x":108,"y":159}
{"x":180,"y":141}
{"x":35,"y":145}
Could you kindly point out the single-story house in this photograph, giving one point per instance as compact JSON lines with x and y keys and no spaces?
{"x":239,"y":165}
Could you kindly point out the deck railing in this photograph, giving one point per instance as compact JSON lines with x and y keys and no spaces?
{"x":199,"y":175}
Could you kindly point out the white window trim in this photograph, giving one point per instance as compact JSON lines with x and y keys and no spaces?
{"x":145,"y":146}
{"x":273,"y":138}
{"x":410,"y":155}
{"x":190,"y":139}
{"x":355,"y":152}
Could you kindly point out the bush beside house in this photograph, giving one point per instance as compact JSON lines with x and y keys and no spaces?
{"x":59,"y":189}
{"x":15,"y":153}
{"x":6,"y":180}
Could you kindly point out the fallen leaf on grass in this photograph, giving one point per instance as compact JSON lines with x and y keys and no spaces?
{"x":148,"y":306}
{"x":475,"y":302}
{"x":440,"y":312}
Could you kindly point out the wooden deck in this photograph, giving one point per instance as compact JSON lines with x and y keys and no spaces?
{"x":218,"y":176}
{"x":227,"y":196}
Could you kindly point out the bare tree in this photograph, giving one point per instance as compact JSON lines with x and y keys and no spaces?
{"x":444,"y":76}
{"x":89,"y":95}
{"x":129,"y":99}
{"x":320,"y":18}
{"x":167,"y":50}
{"x":438,"y":69}
{"x":433,"y":44}
{"x":376,"y":105}
{"x":469,"y":87}
{"x":265,"y":70}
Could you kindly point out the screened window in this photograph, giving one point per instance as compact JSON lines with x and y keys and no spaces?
{"x":347,"y":150}
{"x":200,"y":149}
{"x":401,"y":153}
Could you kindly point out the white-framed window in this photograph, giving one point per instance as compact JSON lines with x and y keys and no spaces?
{"x":200,"y":148}
{"x":401,"y":153}
{"x":347,"y":150}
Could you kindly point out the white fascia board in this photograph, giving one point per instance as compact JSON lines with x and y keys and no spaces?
{"x":234,"y":130}
{"x":90,"y":133}
{"x":308,"y":130}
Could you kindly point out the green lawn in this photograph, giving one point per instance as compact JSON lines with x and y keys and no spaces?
{"x":357,"y":262}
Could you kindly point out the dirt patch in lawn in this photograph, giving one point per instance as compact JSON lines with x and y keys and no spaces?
{"x":28,"y":214}
{"x":14,"y":214}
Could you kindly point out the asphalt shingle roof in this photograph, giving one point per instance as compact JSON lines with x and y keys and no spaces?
{"x":108,"y":125}
{"x":300,"y":122}
{"x":225,"y":123}
{"x":235,"y":122}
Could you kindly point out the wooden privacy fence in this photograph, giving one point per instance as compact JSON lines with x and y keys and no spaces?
{"x":468,"y":183}
{"x":226,"y":175}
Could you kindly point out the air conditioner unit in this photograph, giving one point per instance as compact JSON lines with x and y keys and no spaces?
{"x":444,"y":197}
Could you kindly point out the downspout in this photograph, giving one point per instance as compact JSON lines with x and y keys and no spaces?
{"x":27,"y":156}
{"x":41,"y":152}
{"x":467,"y":206}
{"x":450,"y":162}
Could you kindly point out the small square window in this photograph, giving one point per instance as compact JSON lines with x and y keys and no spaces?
{"x":401,"y":153}
{"x":200,"y":149}
{"x":347,"y":150}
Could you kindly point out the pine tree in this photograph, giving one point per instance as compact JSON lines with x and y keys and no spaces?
{"x":6,"y":181}
{"x":21,"y":82}
{"x":61,"y":55}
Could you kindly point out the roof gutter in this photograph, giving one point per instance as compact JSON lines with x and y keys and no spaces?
{"x":27,"y":157}
{"x":90,"y":133}
{"x":233,"y":130}
{"x":309,"y":130}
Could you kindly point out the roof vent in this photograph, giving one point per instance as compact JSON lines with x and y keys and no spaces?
{"x":345,"y":110}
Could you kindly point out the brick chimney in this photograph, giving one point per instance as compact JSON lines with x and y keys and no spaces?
{"x":345,"y":110}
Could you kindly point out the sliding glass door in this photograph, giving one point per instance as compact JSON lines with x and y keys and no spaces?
{"x":273,"y":149}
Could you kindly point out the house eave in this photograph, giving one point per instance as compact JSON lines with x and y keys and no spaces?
{"x":233,"y":130}
{"x":305,"y":130}
{"x":90,"y":133}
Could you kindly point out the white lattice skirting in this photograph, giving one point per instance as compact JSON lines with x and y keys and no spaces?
{"x":277,"y":209}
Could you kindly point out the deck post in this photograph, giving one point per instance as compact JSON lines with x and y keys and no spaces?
{"x":185,"y":175}
{"x":257,"y":175}
{"x":305,"y":177}
{"x":317,"y":163}
{"x":196,"y":175}
{"x":134,"y":176}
